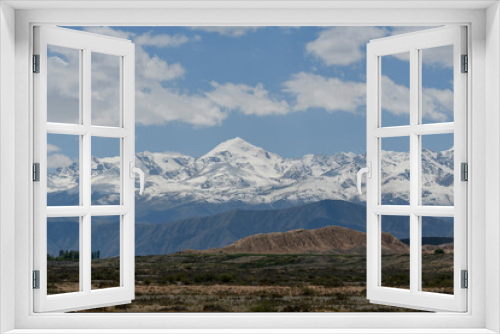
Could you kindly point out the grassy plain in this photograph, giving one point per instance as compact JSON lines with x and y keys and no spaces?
{"x":253,"y":283}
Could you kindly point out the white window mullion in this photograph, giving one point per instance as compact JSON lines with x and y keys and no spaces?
{"x":85,"y":174}
{"x":127,"y":230}
{"x":373,"y":262}
{"x":414,"y":170}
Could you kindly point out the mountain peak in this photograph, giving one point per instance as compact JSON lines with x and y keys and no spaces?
{"x":236,"y":146}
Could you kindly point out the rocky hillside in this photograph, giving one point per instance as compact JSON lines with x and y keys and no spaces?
{"x":326,"y":240}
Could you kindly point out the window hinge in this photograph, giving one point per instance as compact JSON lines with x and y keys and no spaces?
{"x":36,"y":172}
{"x":464,"y":169}
{"x":36,"y":279}
{"x":36,"y":63}
{"x":465,"y":279}
{"x":465,"y":64}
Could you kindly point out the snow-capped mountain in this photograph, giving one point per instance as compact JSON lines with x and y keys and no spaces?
{"x":237,"y":171}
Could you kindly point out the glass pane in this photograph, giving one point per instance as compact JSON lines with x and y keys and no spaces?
{"x":63,"y":85}
{"x":437,"y":254}
{"x":63,"y":170}
{"x":395,"y":89}
{"x":437,"y":84}
{"x":105,"y":90}
{"x":395,"y":171}
{"x":395,"y":242}
{"x":63,"y":255}
{"x":105,"y":252}
{"x":106,"y":163}
{"x":437,"y":169}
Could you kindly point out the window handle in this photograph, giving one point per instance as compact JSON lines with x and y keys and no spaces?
{"x":367,"y":170}
{"x":135,"y":170}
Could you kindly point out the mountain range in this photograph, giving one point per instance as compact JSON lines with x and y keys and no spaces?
{"x":238,"y":175}
{"x":237,"y":190}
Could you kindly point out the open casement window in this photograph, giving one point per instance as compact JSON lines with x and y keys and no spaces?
{"x":84,"y":104}
{"x":405,"y":57}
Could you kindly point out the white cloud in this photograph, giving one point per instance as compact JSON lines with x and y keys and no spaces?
{"x":228,"y":31}
{"x":343,"y":45}
{"x":108,"y":31}
{"x":332,"y":94}
{"x":346,"y":45}
{"x":58,"y":161}
{"x":52,"y":148}
{"x":161,"y":40}
{"x":63,"y":85}
{"x":157,"y":105}
{"x":395,"y":98}
{"x":439,"y":57}
{"x":249,"y":100}
{"x":63,"y":81}
{"x":146,"y":39}
{"x":399,"y":30}
{"x":437,"y":104}
{"x":155,"y":68}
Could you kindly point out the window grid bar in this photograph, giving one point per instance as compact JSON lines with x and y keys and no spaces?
{"x":76,"y":129}
{"x":80,"y":211}
{"x":407,"y":210}
{"x":421,"y":129}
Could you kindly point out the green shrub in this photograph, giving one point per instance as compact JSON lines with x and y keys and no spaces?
{"x":308,"y":292}
{"x":263,"y":307}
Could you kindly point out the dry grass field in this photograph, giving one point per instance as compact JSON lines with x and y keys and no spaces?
{"x":253,"y":283}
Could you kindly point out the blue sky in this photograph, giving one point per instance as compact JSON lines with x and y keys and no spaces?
{"x":290,"y":90}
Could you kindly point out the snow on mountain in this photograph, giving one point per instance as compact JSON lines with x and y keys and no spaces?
{"x":236,"y":170}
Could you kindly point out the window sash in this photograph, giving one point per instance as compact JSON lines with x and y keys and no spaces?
{"x":414,"y":297}
{"x":86,"y":43}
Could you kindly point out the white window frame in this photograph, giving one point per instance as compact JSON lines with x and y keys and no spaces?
{"x":483,"y":123}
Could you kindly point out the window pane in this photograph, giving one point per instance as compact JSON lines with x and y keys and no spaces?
{"x":63,"y":84}
{"x":395,"y":89}
{"x":106,"y":165}
{"x":63,"y":255}
{"x":105,"y":90}
{"x":395,"y":251}
{"x":63,"y":170}
{"x":437,"y":84}
{"x":437,"y":254}
{"x":437,"y":169}
{"x":395,"y":171}
{"x":105,"y":252}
